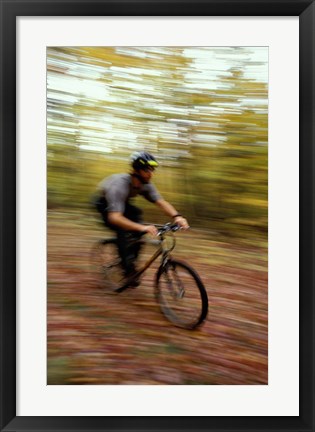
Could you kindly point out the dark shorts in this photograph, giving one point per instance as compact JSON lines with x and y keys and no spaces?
{"x":127,"y":253}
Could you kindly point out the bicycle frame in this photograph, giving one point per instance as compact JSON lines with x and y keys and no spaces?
{"x":162,"y":250}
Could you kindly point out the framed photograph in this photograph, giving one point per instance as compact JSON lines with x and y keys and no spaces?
{"x":120,"y":119}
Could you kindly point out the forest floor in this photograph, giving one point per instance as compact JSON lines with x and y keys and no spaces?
{"x":99,"y":337}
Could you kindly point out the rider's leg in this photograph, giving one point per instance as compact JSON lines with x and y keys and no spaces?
{"x":135,"y":214}
{"x":128,"y":254}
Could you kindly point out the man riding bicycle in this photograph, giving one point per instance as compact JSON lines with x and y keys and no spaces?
{"x":113,"y":202}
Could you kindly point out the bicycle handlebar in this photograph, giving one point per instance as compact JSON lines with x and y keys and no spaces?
{"x":167,"y":227}
{"x":163,"y":229}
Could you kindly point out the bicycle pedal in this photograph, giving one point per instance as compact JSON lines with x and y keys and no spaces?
{"x":128,"y":284}
{"x":121,"y":289}
{"x":134,"y":284}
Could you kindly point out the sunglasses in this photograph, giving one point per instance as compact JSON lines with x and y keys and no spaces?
{"x":148,"y":168}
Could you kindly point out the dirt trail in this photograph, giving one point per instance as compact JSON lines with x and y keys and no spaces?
{"x":95,"y":337}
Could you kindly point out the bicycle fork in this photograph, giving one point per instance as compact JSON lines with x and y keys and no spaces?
{"x":174,"y":283}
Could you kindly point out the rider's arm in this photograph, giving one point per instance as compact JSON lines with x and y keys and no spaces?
{"x":119,"y":220}
{"x":170,"y":211}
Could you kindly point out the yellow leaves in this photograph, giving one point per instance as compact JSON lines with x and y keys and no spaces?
{"x":248,"y":201}
{"x":205,"y":120}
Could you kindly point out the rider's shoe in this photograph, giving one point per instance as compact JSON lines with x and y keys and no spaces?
{"x":133,"y":282}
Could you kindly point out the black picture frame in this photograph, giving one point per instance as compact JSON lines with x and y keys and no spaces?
{"x":10,"y":10}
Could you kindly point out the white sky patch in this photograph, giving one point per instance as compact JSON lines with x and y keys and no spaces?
{"x":130,"y":97}
{"x":211,"y":63}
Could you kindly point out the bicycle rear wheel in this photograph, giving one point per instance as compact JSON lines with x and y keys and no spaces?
{"x":106,"y":264}
{"x":181,"y":294}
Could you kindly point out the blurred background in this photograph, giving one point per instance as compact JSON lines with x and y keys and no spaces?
{"x":203,"y":112}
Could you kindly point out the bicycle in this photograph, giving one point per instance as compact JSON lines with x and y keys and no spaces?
{"x":178,"y":288}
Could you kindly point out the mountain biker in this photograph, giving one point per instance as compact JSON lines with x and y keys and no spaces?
{"x":113,"y":202}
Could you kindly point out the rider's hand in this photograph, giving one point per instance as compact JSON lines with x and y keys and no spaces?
{"x":182,"y":222}
{"x":150,"y":229}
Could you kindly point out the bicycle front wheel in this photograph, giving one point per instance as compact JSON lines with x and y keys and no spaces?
{"x":181,"y":294}
{"x":106,"y":264}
